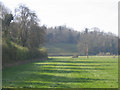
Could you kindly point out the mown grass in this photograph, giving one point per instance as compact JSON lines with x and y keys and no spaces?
{"x":64,"y":72}
{"x":62,"y":49}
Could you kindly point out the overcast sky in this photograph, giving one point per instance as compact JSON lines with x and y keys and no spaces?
{"x":77,"y":14}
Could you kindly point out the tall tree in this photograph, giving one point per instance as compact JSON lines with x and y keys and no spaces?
{"x":30,"y":33}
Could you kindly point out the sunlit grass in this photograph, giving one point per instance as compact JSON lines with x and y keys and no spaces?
{"x":64,"y":72}
{"x":19,"y":47}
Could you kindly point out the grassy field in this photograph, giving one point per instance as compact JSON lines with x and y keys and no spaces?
{"x":64,"y":72}
{"x":62,"y":49}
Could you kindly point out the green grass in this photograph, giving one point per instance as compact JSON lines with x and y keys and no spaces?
{"x":64,"y":72}
{"x":62,"y":49}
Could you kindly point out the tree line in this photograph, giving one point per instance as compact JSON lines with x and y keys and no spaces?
{"x":95,"y":40}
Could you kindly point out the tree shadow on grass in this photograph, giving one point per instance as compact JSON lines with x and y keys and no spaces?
{"x":39,"y":80}
{"x":62,"y":79}
{"x":42,"y":76}
{"x":65,"y":66}
{"x":70,"y":65}
{"x":43,"y":84}
{"x":82,"y":62}
{"x":34,"y":84}
{"x":62,"y":71}
{"x":49,"y":68}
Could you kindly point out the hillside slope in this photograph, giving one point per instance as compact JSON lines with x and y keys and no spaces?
{"x":61,"y":49}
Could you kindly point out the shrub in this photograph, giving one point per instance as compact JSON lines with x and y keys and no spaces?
{"x":11,"y":52}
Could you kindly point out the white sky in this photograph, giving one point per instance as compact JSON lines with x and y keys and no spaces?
{"x":77,"y":14}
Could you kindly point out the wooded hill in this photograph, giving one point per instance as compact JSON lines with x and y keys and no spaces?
{"x":63,"y":40}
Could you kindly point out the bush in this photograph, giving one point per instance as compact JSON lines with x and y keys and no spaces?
{"x":11,"y":52}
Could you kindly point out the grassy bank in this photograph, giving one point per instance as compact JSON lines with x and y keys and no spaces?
{"x":13,"y":53}
{"x":64,"y":72}
{"x":61,"y":49}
